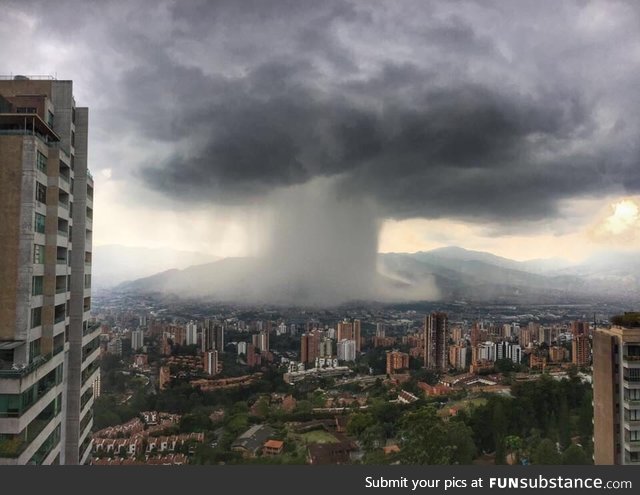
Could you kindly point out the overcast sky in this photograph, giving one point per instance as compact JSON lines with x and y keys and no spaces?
{"x":508,"y":126}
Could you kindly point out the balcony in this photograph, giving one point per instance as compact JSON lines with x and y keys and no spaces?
{"x":631,"y":361}
{"x":89,"y":370}
{"x":63,"y":212}
{"x":89,"y":330}
{"x":632,"y":446}
{"x":631,"y":384}
{"x":88,"y":379}
{"x":631,"y":403}
{"x":90,"y":359}
{"x":60,"y":298}
{"x":19,"y":371}
{"x":62,"y":239}
{"x":63,"y":183}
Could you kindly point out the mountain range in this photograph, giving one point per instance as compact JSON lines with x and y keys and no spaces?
{"x":114,"y":263}
{"x":447,"y":274}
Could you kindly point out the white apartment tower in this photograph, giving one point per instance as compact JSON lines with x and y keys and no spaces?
{"x":48,"y":348}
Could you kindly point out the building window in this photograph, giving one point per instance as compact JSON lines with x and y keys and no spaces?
{"x":34,"y":349}
{"x":38,"y":254}
{"x":37,"y":286}
{"x":26,"y":110}
{"x":632,"y":393}
{"x":634,"y":436}
{"x":39,"y":224}
{"x":73,"y":138}
{"x":36,"y":317}
{"x":41,"y":193}
{"x":50,"y":119}
{"x":41,"y":162}
{"x":633,"y":375}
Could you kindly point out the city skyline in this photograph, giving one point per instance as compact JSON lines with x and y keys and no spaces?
{"x":529,"y":149}
{"x":288,"y":232}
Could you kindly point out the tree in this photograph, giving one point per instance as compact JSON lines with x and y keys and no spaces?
{"x":376,"y":456}
{"x":513,"y":446}
{"x":564,"y":424}
{"x":460,"y":438}
{"x":423,"y":438}
{"x":504,"y":365}
{"x":546,"y":453}
{"x":197,"y":422}
{"x":359,"y":422}
{"x":372,"y":437}
{"x":575,"y":455}
{"x":499,"y":425}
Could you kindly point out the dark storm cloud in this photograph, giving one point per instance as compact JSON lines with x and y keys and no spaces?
{"x":491,"y":110}
{"x":415,"y":137}
{"x":465,"y":150}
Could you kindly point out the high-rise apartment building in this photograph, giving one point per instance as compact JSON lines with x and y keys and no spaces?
{"x":616,"y":391}
{"x":347,"y":350}
{"x":310,"y":347}
{"x":475,"y":334}
{"x":137,"y":339}
{"x":435,"y":341}
{"x":213,"y":335}
{"x":348,"y":330}
{"x":580,"y":344}
{"x":191,"y":333}
{"x":458,"y":356}
{"x":210,"y":362}
{"x":48,"y":348}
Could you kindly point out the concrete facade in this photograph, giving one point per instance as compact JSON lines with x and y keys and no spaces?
{"x":616,"y":395}
{"x":47,"y":348}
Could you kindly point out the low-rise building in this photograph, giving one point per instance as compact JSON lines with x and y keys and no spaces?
{"x":252,"y":441}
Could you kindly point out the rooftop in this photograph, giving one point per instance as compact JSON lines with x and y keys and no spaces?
{"x":20,"y":77}
{"x":628,"y":319}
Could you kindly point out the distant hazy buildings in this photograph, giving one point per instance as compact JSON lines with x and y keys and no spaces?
{"x":192,"y":333}
{"x":261,"y":341}
{"x":310,"y":347}
{"x":350,"y":331}
{"x":580,"y":344}
{"x":347,"y":350}
{"x":210,"y":363}
{"x":213,"y":335}
{"x":616,"y":391}
{"x":48,"y":350}
{"x":458,"y":356}
{"x":114,"y":347}
{"x":397,"y":361}
{"x":137,"y":339}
